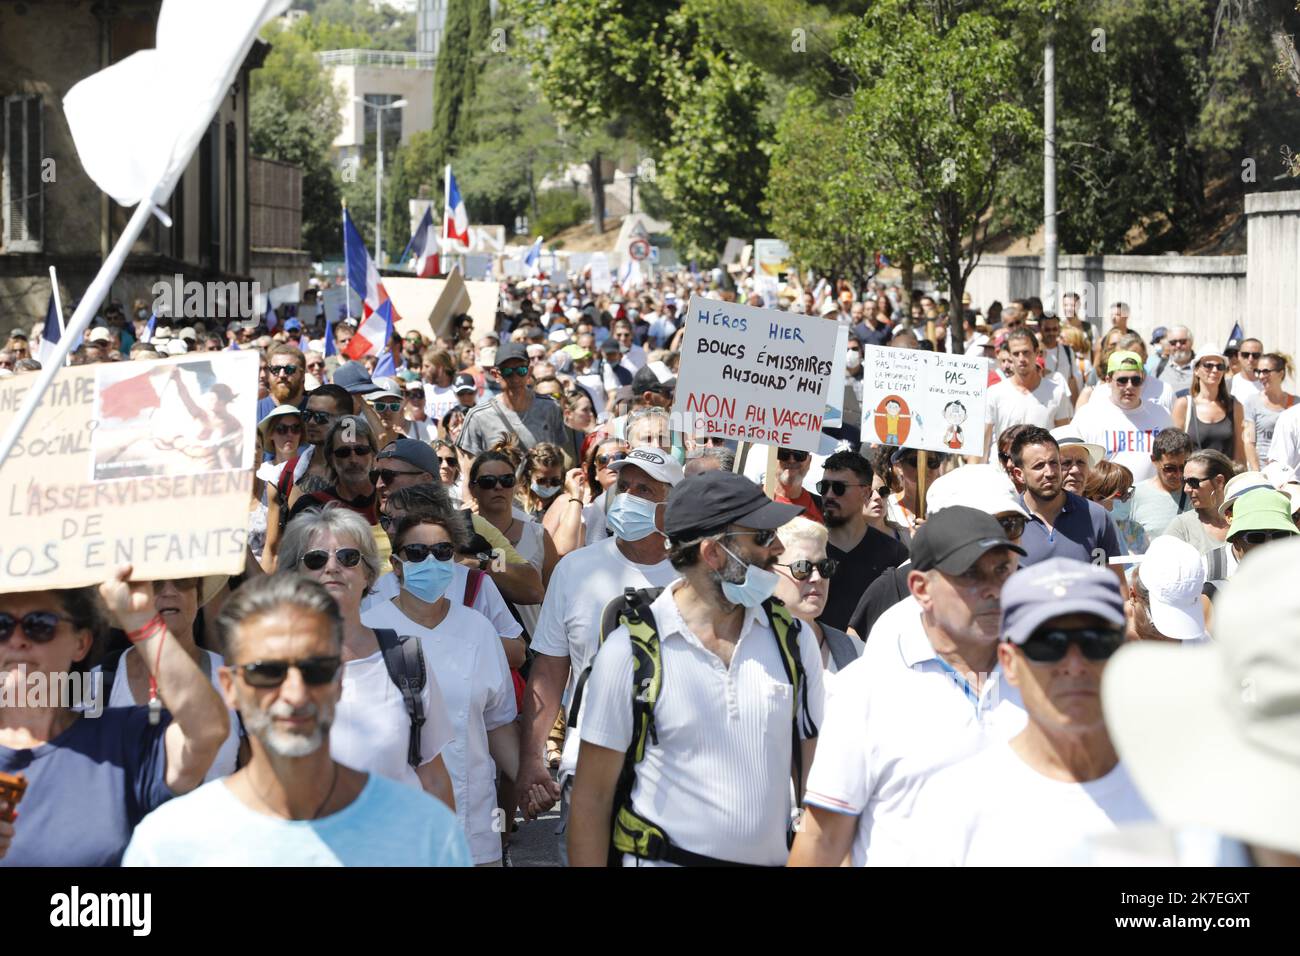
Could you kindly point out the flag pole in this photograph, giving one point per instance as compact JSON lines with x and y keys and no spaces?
{"x":347,"y":272}
{"x":85,"y":311}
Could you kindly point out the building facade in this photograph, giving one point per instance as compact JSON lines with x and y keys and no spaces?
{"x":380,"y":77}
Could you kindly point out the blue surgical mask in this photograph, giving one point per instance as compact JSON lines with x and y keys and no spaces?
{"x":758,"y":586}
{"x":631,"y":518}
{"x":427,"y":579}
{"x":1121,"y":510}
{"x":544,"y":493}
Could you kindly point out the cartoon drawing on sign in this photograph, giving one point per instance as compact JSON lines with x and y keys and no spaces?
{"x":170,"y":420}
{"x":954,"y":413}
{"x":893,"y":420}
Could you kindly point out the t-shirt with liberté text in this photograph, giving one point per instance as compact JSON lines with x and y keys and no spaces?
{"x":388,"y":824}
{"x":1126,"y":434}
{"x":993,"y":809}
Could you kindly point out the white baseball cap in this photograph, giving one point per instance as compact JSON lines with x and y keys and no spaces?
{"x":982,"y":486}
{"x":1173,"y":574}
{"x":1065,"y":436}
{"x":386,"y":388}
{"x":829,"y":306}
{"x":654,"y":463}
{"x":177,"y":347}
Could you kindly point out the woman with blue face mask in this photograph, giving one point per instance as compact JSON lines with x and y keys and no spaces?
{"x":462,"y":651}
{"x":1111,"y":486}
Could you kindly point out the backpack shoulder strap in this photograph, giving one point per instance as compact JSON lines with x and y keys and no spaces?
{"x":787,"y":630}
{"x":405,"y":663}
{"x":472,"y":586}
{"x":632,"y":604}
{"x":628,"y":831}
{"x":284,"y":483}
{"x":1160,"y":366}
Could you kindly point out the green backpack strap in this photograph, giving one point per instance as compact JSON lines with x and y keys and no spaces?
{"x":630,"y":833}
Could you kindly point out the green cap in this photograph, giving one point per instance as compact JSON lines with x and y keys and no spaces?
{"x":1262,"y":509}
{"x":1125,"y":362}
{"x":577,"y":352}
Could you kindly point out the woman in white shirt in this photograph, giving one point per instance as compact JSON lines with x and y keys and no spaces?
{"x":371,"y":729}
{"x":462,"y":649}
{"x":178,"y":602}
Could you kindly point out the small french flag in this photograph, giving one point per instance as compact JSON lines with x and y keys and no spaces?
{"x":363,"y":276}
{"x":455,"y":223}
{"x":533,"y":257}
{"x":424,"y":247}
{"x":374,"y":333}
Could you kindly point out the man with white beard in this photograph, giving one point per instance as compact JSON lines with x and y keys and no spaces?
{"x":292,"y":804}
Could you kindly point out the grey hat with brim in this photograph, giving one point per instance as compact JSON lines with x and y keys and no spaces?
{"x":1054,"y":588}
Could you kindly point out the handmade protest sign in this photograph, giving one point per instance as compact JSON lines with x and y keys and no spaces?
{"x":915,"y":398}
{"x":145,"y":463}
{"x":756,"y":375}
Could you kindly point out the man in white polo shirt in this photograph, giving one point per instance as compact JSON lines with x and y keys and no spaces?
{"x":568,"y":631}
{"x":737,"y":686}
{"x":926,"y":693}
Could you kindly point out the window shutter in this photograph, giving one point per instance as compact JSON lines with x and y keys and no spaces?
{"x":23,"y":198}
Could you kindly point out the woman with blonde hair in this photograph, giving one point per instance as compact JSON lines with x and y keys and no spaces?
{"x":541,"y":478}
{"x":1209,"y":413}
{"x":1262,"y":409}
{"x":804,"y":584}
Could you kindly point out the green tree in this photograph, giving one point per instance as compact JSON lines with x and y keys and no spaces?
{"x":465,"y":36}
{"x":293,"y":117}
{"x":935,"y":124}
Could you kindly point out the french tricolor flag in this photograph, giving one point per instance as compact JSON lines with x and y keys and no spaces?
{"x":363,"y":276}
{"x":533,"y":258}
{"x":374,"y":333}
{"x":455,"y":222}
{"x":424,"y":247}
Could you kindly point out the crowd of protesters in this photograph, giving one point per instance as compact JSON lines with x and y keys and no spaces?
{"x":499,"y":579}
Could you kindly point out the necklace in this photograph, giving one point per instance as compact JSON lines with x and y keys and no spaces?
{"x":267,"y":804}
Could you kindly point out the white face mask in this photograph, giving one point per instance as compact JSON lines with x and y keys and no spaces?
{"x":854,"y":358}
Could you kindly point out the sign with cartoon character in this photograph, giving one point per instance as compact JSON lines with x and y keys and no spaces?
{"x":914,"y":398}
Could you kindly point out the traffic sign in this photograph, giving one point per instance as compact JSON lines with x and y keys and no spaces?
{"x":638,"y":249}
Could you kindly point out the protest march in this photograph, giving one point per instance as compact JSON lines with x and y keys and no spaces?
{"x":633,"y":561}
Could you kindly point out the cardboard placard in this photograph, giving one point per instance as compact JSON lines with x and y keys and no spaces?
{"x":146,"y":463}
{"x":915,"y":398}
{"x":754,"y":374}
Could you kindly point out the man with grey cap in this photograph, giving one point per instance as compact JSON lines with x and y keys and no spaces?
{"x":734,"y":709}
{"x":927,"y":692}
{"x":514,"y":412}
{"x":567,"y":635}
{"x":1036,"y":799}
{"x":1209,"y":732}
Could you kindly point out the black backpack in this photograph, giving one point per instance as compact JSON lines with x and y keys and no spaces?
{"x":405,"y":662}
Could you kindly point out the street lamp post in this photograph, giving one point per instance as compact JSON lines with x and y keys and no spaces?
{"x":379,"y":172}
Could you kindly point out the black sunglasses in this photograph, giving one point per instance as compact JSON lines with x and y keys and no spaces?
{"x":317,"y":558}
{"x":488,"y":482}
{"x":315,"y":671}
{"x":39,"y":626}
{"x":319,"y":418}
{"x":837,"y":488}
{"x":1013,"y":526}
{"x":1125,"y":381}
{"x":911,"y":461}
{"x":1250,"y":537}
{"x":450,"y":462}
{"x":1214,"y":366}
{"x":789,"y":454}
{"x":761,"y":538}
{"x":347,"y":451}
{"x":1051,"y":646}
{"x":415,"y":393}
{"x":550,"y":482}
{"x":388,"y":476}
{"x":1193,"y":483}
{"x":415,"y":553}
{"x":282,"y":369}
{"x":802,"y":570}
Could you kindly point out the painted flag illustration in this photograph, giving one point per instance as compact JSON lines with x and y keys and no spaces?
{"x":373,"y":335}
{"x":128,"y":398}
{"x":455,"y":218}
{"x":423,"y":247}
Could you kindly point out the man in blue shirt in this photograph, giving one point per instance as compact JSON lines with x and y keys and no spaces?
{"x":293,"y":804}
{"x":1061,"y":524}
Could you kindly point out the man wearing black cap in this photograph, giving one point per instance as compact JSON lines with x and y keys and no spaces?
{"x":514,"y":412}
{"x":1039,"y":798}
{"x":926,"y":692}
{"x":714,"y":778}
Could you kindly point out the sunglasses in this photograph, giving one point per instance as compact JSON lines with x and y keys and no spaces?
{"x":837,"y":488}
{"x":282,"y":369}
{"x":294,"y":429}
{"x":802,"y":570}
{"x":388,"y":476}
{"x":39,"y":626}
{"x":315,"y":671}
{"x":1171,"y":469}
{"x":347,"y":451}
{"x":1214,"y":366}
{"x":488,"y":482}
{"x":786,"y":454}
{"x":1250,"y":537}
{"x":550,"y":482}
{"x":761,"y":538}
{"x":1250,"y":355}
{"x":1013,"y":526}
{"x":316,"y":559}
{"x":931,"y":461}
{"x":1193,"y":483}
{"x":315,"y":365}
{"x":1051,"y":646}
{"x":509,"y":370}
{"x":604,"y":460}
{"x":387,"y":406}
{"x":318,"y":418}
{"x":415,"y":393}
{"x":1176,"y":341}
{"x":449,"y":462}
{"x":415,"y":553}
{"x":1128,"y":381}
{"x":1267,"y":371}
